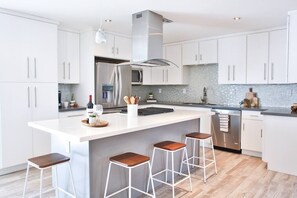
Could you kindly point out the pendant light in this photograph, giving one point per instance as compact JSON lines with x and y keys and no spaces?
{"x":100,"y":35}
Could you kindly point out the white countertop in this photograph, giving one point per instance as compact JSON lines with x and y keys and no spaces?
{"x":72,"y":129}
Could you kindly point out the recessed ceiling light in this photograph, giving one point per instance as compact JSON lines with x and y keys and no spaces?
{"x":108,"y":20}
{"x":236,"y":18}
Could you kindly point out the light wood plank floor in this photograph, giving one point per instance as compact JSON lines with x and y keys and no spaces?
{"x":238,"y":176}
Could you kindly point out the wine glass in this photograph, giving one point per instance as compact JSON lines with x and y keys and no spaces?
{"x":98,"y":110}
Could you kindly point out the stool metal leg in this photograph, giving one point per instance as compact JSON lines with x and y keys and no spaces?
{"x":72,"y":181}
{"x":41,"y":177}
{"x":203,"y":156}
{"x":151,"y":179}
{"x":26,"y":180}
{"x":166,"y":173}
{"x":148,"y":182}
{"x":194,"y":153}
{"x":107,"y":180}
{"x":182,"y":159}
{"x":214,"y":157}
{"x":188,"y":168}
{"x":56,"y":180}
{"x":129,"y":183}
{"x":172,"y":166}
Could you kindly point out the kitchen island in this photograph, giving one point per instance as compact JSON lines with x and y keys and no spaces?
{"x":90,"y":148}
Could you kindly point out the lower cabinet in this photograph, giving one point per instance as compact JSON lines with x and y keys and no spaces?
{"x":251,"y":133}
{"x":21,"y":103}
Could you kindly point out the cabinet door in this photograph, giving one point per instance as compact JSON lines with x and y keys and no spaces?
{"x":257,"y":58}
{"x":62,"y":56}
{"x":105,"y":49}
{"x":146,"y":75}
{"x":158,"y":76}
{"x":292,"y":58}
{"x":43,"y":51}
{"x":190,"y":53}
{"x":232,"y":60}
{"x":72,"y":57}
{"x":44,"y":98}
{"x":14,"y":61}
{"x":15,"y":113}
{"x":208,"y":52}
{"x":277,"y":57}
{"x":174,"y":75}
{"x":123,"y":48}
{"x":251,"y":137}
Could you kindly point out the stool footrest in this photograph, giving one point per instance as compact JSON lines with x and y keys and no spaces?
{"x":112,"y":194}
{"x":170,"y":184}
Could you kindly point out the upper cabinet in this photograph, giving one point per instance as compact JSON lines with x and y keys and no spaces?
{"x":257,"y":58}
{"x":118,"y":47}
{"x":208,"y":52}
{"x":204,"y":52}
{"x":33,"y":47}
{"x":292,"y":58}
{"x":232,"y":60}
{"x":68,"y":57}
{"x":266,"y":57}
{"x":277,"y":57}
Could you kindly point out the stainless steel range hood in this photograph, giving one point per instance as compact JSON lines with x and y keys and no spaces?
{"x":147,"y":40}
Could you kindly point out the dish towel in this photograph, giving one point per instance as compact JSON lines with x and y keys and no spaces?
{"x":224,"y":122}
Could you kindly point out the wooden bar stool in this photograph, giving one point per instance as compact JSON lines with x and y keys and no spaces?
{"x":171,"y":147}
{"x":48,"y":161}
{"x":129,"y":161}
{"x":201,"y":137}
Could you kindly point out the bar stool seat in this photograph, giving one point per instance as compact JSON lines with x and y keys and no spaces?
{"x":171,"y":147}
{"x":48,"y":161}
{"x":129,"y":160}
{"x":201,"y":137}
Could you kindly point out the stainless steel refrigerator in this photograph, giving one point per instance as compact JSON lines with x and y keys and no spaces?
{"x":112,"y":83}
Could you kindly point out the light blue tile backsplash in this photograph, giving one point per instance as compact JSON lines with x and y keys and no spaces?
{"x":207,"y":76}
{"x":66,"y":91}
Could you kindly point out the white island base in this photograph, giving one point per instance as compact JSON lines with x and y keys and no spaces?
{"x":90,"y":148}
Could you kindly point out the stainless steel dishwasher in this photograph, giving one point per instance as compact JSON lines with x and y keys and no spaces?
{"x":226,"y":129}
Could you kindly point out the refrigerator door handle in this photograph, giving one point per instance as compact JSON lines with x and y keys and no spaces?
{"x":116,"y":86}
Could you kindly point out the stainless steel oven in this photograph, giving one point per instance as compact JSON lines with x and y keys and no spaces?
{"x":226,"y":129}
{"x":137,"y":76}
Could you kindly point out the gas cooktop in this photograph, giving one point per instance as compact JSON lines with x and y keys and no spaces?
{"x":150,"y":111}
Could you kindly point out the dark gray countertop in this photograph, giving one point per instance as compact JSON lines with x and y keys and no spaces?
{"x":278,"y":111}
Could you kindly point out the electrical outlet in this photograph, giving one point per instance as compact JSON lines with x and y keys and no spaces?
{"x":160,"y":90}
{"x":184,"y":91}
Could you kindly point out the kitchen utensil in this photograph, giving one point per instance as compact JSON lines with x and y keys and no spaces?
{"x":127,"y":99}
{"x":132,"y":100}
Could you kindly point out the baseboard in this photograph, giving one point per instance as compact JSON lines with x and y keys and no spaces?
{"x":252,"y":153}
{"x":12,"y":169}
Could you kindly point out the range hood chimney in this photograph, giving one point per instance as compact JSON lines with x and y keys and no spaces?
{"x":147,"y":40}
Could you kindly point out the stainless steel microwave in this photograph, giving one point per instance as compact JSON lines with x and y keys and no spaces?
{"x":137,"y":76}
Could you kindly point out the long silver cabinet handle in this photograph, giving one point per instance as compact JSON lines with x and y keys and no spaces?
{"x":118,"y":50}
{"x":200,"y":56}
{"x":28,"y":67}
{"x":272,"y":71}
{"x":112,"y":50}
{"x":35,"y":75}
{"x":264,"y":71}
{"x":29,"y":100}
{"x":228,"y":72}
{"x":233,"y":72}
{"x":167,"y":75}
{"x":163,"y":75}
{"x":35,"y":92}
{"x":69,"y":70}
{"x":196,"y":57}
{"x":64,"y":68}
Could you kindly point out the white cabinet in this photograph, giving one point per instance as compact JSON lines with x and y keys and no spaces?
{"x":277,"y":57}
{"x":204,"y":52}
{"x":251,"y":133}
{"x":190,"y":53}
{"x":146,"y":75}
{"x":19,"y":104}
{"x":208,"y":52}
{"x":292,"y":47}
{"x":159,"y":75}
{"x":30,"y":49}
{"x":118,"y":47}
{"x":232,"y":60}
{"x":68,"y":57}
{"x":257,"y":58}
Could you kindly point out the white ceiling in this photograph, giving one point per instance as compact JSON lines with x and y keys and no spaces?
{"x":192,"y":18}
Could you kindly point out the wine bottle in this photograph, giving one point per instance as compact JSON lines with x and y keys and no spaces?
{"x":90,"y":106}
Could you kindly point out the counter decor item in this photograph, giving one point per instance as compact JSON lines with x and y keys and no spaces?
{"x":66,"y":104}
{"x":151,"y":98}
{"x":101,"y":123}
{"x":294,"y":107}
{"x":132,"y":105}
{"x":251,"y":99}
